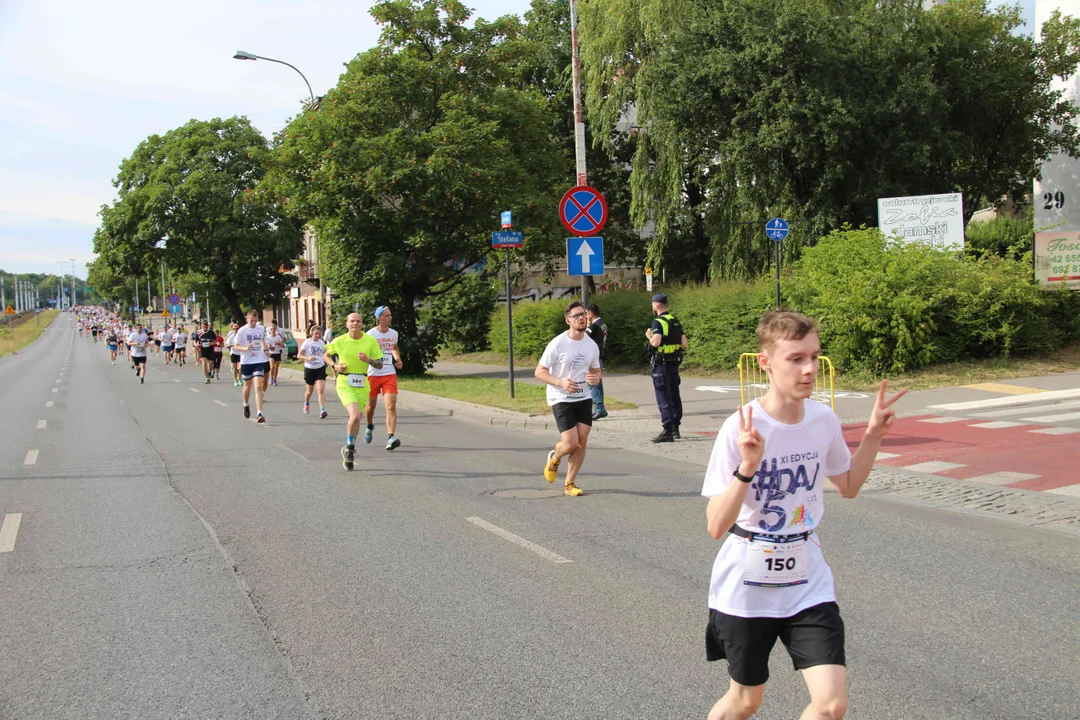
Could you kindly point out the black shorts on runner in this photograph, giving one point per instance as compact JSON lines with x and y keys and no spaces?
{"x":158,"y":343}
{"x":254,"y":370}
{"x":568,"y":415}
{"x":812,"y":637}
{"x":312,"y":375}
{"x":138,"y":360}
{"x":207,"y":353}
{"x":234,"y":358}
{"x":182,"y":350}
{"x":276,"y":357}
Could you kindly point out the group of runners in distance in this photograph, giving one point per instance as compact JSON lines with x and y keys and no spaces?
{"x":255,"y":356}
{"x":764,"y":480}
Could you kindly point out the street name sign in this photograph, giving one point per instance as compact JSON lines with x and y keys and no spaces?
{"x":505,"y":239}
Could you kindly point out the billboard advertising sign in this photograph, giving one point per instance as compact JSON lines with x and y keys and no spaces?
{"x":937,"y":220}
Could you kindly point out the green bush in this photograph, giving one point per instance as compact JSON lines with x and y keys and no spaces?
{"x":719,"y":321}
{"x":886,"y":306}
{"x":1004,"y":237}
{"x":462,"y":315}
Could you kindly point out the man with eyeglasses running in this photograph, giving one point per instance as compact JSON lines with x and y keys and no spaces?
{"x":569,"y":363}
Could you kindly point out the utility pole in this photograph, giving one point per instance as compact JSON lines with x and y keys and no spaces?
{"x":3,"y":300}
{"x":73,"y":282}
{"x":579,"y":123}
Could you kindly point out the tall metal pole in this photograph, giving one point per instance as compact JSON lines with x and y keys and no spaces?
{"x":137,"y":306}
{"x":3,"y":299}
{"x":162,"y":282}
{"x":73,"y":282}
{"x":510,"y":322}
{"x":579,"y":123}
{"x":777,"y":244}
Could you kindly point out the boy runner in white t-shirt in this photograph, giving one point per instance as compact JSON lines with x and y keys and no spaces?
{"x":250,"y":342}
{"x":570,"y":361}
{"x":765,"y":484}
{"x":384,"y":380}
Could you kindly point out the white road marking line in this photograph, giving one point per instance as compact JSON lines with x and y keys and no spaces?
{"x":518,"y":540}
{"x":56,"y":389}
{"x":1027,"y":410}
{"x":934,"y":466}
{"x":40,"y":424}
{"x":998,"y":424}
{"x":1055,"y":418}
{"x":49,"y":404}
{"x":943,"y":420}
{"x":1056,"y":431}
{"x":194,"y":389}
{"x":289,"y":449}
{"x":31,"y":458}
{"x":1010,"y":400}
{"x":175,"y":380}
{"x":8,"y":531}
{"x":221,"y":403}
{"x":1003,"y":477}
{"x":1073,"y":490}
{"x":886,"y":456}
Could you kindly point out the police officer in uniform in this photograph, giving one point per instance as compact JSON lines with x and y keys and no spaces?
{"x":668,"y":342}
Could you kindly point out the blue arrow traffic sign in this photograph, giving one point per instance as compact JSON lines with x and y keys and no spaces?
{"x":174,"y":309}
{"x":585,"y":256}
{"x":504,"y":239}
{"x":776,"y":229}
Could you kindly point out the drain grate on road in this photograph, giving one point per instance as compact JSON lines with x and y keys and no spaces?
{"x":528,"y":494}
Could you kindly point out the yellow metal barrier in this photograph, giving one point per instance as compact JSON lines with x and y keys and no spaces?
{"x":754,"y":382}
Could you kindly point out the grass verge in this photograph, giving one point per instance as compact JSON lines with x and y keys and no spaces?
{"x":16,"y":338}
{"x":492,"y":392}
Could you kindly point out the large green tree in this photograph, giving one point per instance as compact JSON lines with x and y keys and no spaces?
{"x":403,"y":170}
{"x":189,"y":198}
{"x":815,"y":109}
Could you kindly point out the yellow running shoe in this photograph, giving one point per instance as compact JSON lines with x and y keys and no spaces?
{"x":572,"y":489}
{"x":551,"y":467}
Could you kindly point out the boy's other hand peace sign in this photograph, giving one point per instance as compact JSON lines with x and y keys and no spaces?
{"x":751,"y":444}
{"x":881,"y":419}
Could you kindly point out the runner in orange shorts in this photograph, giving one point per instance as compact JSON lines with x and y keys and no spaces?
{"x":384,"y":380}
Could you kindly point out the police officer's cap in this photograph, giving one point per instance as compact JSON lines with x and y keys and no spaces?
{"x":660,"y":298}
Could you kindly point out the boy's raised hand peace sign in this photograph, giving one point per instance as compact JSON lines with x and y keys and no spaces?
{"x":751,"y":444}
{"x":881,"y":419}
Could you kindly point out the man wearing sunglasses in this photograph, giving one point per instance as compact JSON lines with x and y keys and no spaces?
{"x":570,"y":362}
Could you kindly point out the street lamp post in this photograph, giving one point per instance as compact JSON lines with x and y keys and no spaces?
{"x":241,"y":55}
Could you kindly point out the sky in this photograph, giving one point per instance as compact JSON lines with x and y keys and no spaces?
{"x":83,"y":83}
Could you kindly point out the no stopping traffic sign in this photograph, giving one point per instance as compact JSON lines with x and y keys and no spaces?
{"x":583,"y":211}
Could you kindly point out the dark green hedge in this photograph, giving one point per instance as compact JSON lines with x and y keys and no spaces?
{"x":883,"y":306}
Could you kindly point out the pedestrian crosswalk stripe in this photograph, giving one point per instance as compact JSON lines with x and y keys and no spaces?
{"x":1028,"y":410}
{"x":1003,"y":477}
{"x":1055,"y":418}
{"x":943,"y":419}
{"x":933,"y":466}
{"x":998,"y":424}
{"x":1056,"y":431}
{"x":9,"y":531}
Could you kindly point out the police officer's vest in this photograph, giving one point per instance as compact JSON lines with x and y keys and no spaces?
{"x":670,"y":349}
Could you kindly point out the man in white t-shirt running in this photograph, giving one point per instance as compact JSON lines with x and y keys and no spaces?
{"x":384,"y":380}
{"x":138,"y":340}
{"x":180,"y":339}
{"x":254,"y":365}
{"x":770,"y":580}
{"x":311,"y":352}
{"x":570,"y":361}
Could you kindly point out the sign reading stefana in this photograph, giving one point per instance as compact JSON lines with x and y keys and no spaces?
{"x":937,"y":220}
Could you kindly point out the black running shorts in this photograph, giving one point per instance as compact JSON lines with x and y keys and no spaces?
{"x":138,"y":360}
{"x":234,"y":358}
{"x":568,"y":415}
{"x":812,"y":637}
{"x":312,"y":375}
{"x":276,"y":357}
{"x":206,"y":353}
{"x":254,"y":370}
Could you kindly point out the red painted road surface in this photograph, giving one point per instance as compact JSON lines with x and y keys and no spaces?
{"x":981,"y":451}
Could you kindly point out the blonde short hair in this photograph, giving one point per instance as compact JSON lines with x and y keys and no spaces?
{"x":776,"y":325}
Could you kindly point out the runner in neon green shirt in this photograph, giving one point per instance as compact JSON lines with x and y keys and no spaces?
{"x":355,"y":350}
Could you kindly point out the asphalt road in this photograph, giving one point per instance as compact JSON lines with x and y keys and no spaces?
{"x":176,"y":561}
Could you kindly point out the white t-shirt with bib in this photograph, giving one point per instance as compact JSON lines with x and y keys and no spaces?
{"x":315,"y":349}
{"x":387,"y":341}
{"x":786,"y":497}
{"x":569,"y":359}
{"x":274,"y":343}
{"x":253,"y":337}
{"x":138,"y":344}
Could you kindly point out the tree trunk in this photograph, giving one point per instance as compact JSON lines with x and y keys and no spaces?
{"x":232,"y":301}
{"x":701,"y":255}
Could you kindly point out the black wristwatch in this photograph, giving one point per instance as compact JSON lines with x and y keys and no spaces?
{"x":742,"y":477}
